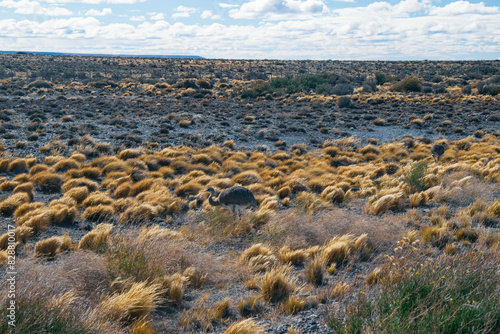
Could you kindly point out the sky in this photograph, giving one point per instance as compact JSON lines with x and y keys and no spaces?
{"x":257,"y":29}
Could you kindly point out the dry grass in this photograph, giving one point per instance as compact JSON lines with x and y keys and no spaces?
{"x":246,"y":326}
{"x":48,"y":182}
{"x":11,"y":203}
{"x":49,"y":248}
{"x":137,"y":302}
{"x":97,"y":238}
{"x":98,"y":213}
{"x":277,"y":284}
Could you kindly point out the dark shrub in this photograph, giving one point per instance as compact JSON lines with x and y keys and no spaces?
{"x":344,"y":102}
{"x":408,"y":84}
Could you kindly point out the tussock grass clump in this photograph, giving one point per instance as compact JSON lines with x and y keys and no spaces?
{"x":18,"y":165}
{"x":295,"y":257}
{"x":8,"y":185}
{"x":48,"y":182}
{"x":277,"y":284}
{"x":66,"y":164}
{"x":338,"y":249}
{"x":98,"y":213}
{"x":130,"y":153}
{"x":293,"y":305}
{"x":246,"y":326}
{"x":96,"y":198}
{"x":258,"y":257}
{"x":38,"y":168}
{"x":374,"y":277}
{"x":137,"y":302}
{"x":116,"y":166}
{"x":92,"y":173}
{"x":62,"y":214}
{"x":255,"y":250}
{"x":385,"y":203}
{"x":80,"y":182}
{"x":333,"y":194}
{"x":52,"y":246}
{"x":26,"y":187}
{"x":11,"y":203}
{"x":4,"y":165}
{"x":79,"y":194}
{"x":97,"y":238}
{"x":190,"y":188}
{"x":246,"y":178}
{"x":139,"y":214}
{"x":314,"y":270}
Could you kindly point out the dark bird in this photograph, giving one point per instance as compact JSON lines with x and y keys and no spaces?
{"x":235,"y":198}
{"x":437,"y":151}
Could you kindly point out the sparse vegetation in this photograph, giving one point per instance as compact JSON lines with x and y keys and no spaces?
{"x":102,"y":186}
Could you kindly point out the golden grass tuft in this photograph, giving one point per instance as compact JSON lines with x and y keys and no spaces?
{"x":4,"y":164}
{"x":9,"y":205}
{"x":293,"y":305}
{"x":314,"y":270}
{"x":123,"y":190}
{"x":80,"y":182}
{"x":8,"y":185}
{"x":246,"y":178}
{"x":139,"y":214}
{"x":49,"y":248}
{"x":255,"y":250}
{"x":79,"y":194}
{"x":137,"y":302}
{"x":98,"y":213}
{"x":386,"y":203}
{"x":131,"y":153}
{"x":18,"y":165}
{"x":295,"y":257}
{"x":247,"y":326}
{"x":333,"y":194}
{"x":277,"y":284}
{"x":494,"y":208}
{"x":190,"y":188}
{"x":97,"y":198}
{"x":26,"y":187}
{"x":374,"y":277}
{"x":340,"y":289}
{"x":65,"y":164}
{"x":97,"y":238}
{"x":92,"y":173}
{"x":62,"y":214}
{"x":48,"y":182}
{"x":338,"y":249}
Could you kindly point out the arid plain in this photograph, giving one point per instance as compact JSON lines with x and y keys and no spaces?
{"x":105,"y":162}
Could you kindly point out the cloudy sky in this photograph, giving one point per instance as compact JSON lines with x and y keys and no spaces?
{"x":278,"y":29}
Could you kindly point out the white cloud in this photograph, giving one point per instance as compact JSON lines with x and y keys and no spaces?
{"x":278,"y":9}
{"x":34,"y":8}
{"x":463,"y":7}
{"x":95,"y":2}
{"x":138,"y":18}
{"x":156,"y":16}
{"x":406,"y":30}
{"x":183,"y":12}
{"x":208,"y":14}
{"x":227,"y":5}
{"x":103,"y":12}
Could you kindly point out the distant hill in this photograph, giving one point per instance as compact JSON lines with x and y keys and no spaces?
{"x":100,"y":54}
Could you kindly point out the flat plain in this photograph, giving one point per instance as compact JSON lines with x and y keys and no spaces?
{"x":359,"y":229}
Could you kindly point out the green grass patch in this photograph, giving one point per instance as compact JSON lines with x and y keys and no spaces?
{"x":453,"y":294}
{"x":34,"y":316}
{"x":415,"y":176}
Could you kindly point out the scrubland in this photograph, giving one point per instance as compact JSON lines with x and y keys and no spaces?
{"x":356,"y":234}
